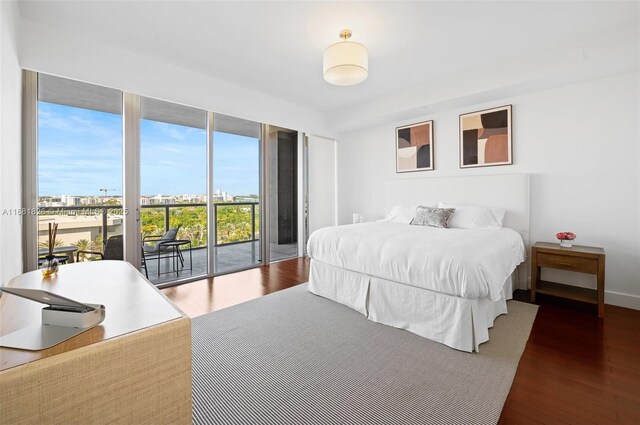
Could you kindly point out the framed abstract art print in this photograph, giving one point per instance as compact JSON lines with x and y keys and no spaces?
{"x":414,"y":147}
{"x":485,"y":138}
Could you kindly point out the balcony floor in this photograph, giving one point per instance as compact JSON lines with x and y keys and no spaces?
{"x":227,"y":259}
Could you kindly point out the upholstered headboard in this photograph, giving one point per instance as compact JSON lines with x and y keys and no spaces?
{"x":508,"y":191}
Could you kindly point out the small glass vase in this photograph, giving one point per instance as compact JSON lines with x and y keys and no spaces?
{"x":566,"y":243}
{"x":50,"y":266}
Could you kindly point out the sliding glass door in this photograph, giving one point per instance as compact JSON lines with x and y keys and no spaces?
{"x":236,"y":197}
{"x":173,"y":188}
{"x":79,"y":170}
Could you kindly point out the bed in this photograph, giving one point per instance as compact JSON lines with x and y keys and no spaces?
{"x":447,"y":285}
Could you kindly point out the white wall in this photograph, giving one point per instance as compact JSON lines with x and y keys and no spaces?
{"x":580,"y":143}
{"x":47,"y":49}
{"x":10,"y":145}
{"x":322,"y":182}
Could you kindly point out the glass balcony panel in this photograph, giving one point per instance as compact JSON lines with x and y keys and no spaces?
{"x":173,"y":170}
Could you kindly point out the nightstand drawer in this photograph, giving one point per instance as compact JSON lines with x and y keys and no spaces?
{"x":566,"y":262}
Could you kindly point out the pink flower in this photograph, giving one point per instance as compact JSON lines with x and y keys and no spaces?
{"x":566,"y":236}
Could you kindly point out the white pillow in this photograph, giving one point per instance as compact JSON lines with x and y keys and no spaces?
{"x":401,"y":214}
{"x":474,"y":216}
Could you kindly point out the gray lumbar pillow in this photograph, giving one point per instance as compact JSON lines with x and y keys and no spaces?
{"x":434,"y":217}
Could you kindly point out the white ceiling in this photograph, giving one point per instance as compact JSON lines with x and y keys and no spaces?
{"x":276,"y":47}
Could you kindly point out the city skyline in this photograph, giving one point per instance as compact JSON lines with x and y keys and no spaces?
{"x":80,"y":152}
{"x":64,"y":200}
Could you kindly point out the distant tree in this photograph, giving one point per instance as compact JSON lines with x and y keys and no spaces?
{"x":97,"y":243}
{"x":45,"y":244}
{"x":233,"y":223}
{"x":84,"y":245}
{"x":152,"y":221}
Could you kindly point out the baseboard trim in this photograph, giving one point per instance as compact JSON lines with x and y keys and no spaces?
{"x":622,"y":300}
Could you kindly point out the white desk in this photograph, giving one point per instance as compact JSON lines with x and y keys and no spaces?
{"x":133,"y":368}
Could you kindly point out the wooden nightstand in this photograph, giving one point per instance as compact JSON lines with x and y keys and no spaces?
{"x":583,"y":259}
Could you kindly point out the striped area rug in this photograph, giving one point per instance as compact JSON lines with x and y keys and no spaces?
{"x":295,"y":358}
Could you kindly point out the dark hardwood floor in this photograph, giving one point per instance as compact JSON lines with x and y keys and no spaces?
{"x":575,"y":369}
{"x":207,"y":295}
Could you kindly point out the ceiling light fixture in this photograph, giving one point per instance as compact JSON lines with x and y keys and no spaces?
{"x":345,"y":63}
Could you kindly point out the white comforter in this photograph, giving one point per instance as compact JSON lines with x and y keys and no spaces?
{"x":460,"y":262}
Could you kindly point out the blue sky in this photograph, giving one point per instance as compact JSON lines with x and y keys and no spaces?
{"x":80,"y":151}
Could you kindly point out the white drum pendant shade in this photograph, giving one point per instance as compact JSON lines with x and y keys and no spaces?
{"x":345,"y":63}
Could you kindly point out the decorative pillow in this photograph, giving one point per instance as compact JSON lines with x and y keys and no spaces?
{"x":474,"y":216}
{"x":434,"y":217}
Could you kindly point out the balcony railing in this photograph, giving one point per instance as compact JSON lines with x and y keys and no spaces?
{"x":236,"y":222}
{"x":157,"y":219}
{"x":223,"y":214}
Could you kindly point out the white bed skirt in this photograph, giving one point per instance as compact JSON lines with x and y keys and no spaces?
{"x":460,"y":323}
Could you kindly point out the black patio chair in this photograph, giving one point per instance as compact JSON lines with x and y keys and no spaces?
{"x":143,"y":264}
{"x":112,"y":251}
{"x":153,"y":246}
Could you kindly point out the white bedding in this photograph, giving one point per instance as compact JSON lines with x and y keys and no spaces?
{"x":469,"y":263}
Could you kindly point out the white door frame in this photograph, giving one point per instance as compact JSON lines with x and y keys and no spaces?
{"x":30,"y":170}
{"x":131,"y":178}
